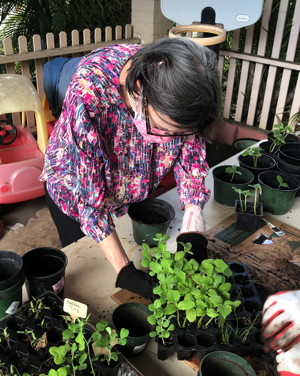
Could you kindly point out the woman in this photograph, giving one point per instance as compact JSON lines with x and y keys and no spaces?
{"x":131,"y":114}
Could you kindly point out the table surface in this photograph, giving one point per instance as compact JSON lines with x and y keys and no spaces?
{"x":90,"y":278}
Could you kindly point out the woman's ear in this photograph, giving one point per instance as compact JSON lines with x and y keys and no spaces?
{"x":139,"y":86}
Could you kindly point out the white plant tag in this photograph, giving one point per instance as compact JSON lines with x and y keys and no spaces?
{"x":75,"y":309}
{"x":12,"y":308}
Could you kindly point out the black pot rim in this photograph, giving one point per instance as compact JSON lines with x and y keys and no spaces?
{"x":283,"y":174}
{"x":11,"y":281}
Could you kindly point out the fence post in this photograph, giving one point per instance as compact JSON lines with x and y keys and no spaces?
{"x":148,"y":21}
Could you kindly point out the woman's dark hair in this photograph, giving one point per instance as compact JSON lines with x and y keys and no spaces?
{"x":180,"y":79}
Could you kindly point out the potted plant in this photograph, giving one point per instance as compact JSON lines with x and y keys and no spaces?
{"x":278,"y":191}
{"x":253,"y":160}
{"x":279,"y":135}
{"x":248,"y":213}
{"x":227,"y":176}
{"x":191,"y":300}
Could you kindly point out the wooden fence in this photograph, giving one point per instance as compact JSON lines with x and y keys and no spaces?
{"x":262,"y":90}
{"x":20,"y":62}
{"x":258,"y":90}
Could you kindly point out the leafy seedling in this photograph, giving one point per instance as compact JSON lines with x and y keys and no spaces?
{"x":281,"y":182}
{"x":232,"y":170}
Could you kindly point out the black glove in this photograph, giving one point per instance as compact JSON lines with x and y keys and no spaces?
{"x":135,"y":280}
{"x":199,"y":244}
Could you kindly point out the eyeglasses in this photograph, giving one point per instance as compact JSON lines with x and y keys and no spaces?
{"x":166,"y":132}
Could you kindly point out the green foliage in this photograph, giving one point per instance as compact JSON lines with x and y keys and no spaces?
{"x":279,"y":133}
{"x":4,"y":339}
{"x":75,"y":353}
{"x":187,"y":291}
{"x":257,"y":191}
{"x":243,"y":195}
{"x":233,"y":171}
{"x":254,"y":152}
{"x":36,"y":307}
{"x":281,"y":183}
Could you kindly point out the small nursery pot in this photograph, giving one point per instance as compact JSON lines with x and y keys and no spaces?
{"x":290,"y":153}
{"x":277,"y":201}
{"x":248,"y":220}
{"x":150,"y":217}
{"x":45,"y":271}
{"x":226,"y":364}
{"x":243,"y":143}
{"x":223,"y":192}
{"x":133,"y":316}
{"x":291,"y":171}
{"x":265,"y":162}
{"x":11,"y":281}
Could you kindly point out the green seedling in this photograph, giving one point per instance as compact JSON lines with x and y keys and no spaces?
{"x":4,"y":339}
{"x":242,"y":198}
{"x":36,"y":306}
{"x":257,"y":191}
{"x":279,"y":133}
{"x":281,"y":182}
{"x":232,"y":170}
{"x":187,"y":292}
{"x":255,"y":153}
{"x":75,"y":353}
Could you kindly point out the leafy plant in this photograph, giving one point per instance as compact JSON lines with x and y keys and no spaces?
{"x":187,"y":292}
{"x":36,"y":307}
{"x":36,"y":343}
{"x":281,"y":183}
{"x":4,"y":339}
{"x":255,"y":153}
{"x":279,"y":133}
{"x":242,"y":198}
{"x":76,"y":355}
{"x":232,"y":170}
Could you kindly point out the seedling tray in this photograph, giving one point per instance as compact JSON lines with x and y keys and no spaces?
{"x":185,"y":342}
{"x":26,"y":359}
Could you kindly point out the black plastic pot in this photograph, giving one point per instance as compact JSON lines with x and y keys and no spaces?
{"x":133,"y":316}
{"x":264,"y":163}
{"x":223,"y":192}
{"x":45,"y":271}
{"x":290,"y":153}
{"x":275,"y":200}
{"x":244,"y":143}
{"x":266,"y":146}
{"x":11,"y":282}
{"x":150,"y":217}
{"x":248,"y":220}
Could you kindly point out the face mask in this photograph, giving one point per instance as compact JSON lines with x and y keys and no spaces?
{"x":140,"y":122}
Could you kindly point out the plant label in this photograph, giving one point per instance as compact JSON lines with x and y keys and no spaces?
{"x":75,"y":309}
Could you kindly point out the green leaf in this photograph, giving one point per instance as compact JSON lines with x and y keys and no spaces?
{"x":191,"y":315}
{"x":224,"y":310}
{"x":186,"y":304}
{"x":170,"y":309}
{"x":155,"y":266}
{"x":67,"y":334}
{"x":212,"y":313}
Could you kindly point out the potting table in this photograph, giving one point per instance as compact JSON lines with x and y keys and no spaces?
{"x":91,"y":279}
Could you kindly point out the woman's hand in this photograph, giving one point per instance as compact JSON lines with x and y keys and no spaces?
{"x":289,"y":362}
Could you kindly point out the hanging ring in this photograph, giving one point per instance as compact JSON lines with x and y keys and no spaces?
{"x":220,"y":34}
